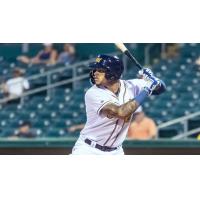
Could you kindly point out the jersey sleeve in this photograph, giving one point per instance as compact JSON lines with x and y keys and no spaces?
{"x":136,"y":86}
{"x":95,"y":101}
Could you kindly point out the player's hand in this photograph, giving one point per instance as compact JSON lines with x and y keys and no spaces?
{"x":151,"y":83}
{"x":146,"y":73}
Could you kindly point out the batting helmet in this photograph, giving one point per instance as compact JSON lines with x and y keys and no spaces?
{"x":112,"y":65}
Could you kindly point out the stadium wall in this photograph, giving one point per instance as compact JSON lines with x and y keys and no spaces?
{"x":63,"y":146}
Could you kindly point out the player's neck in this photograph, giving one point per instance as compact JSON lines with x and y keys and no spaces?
{"x":114,"y":87}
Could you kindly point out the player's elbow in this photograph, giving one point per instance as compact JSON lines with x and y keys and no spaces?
{"x":116,"y":111}
{"x":122,"y":114}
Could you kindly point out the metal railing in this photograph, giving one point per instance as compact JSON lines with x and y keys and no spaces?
{"x":49,"y":85}
{"x":184,"y":122}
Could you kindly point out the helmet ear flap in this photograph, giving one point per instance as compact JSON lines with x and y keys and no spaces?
{"x":110,"y":77}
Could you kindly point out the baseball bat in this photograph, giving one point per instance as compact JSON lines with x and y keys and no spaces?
{"x":124,"y":50}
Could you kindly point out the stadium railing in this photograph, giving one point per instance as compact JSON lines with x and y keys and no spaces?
{"x":49,"y":85}
{"x":184,"y":121}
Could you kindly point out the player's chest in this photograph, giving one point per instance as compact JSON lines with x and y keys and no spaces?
{"x":122,"y":97}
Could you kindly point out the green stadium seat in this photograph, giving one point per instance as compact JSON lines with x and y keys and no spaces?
{"x":56,"y":132}
{"x":38,"y":123}
{"x":167,"y":133}
{"x":194,"y":123}
{"x":6,"y":132}
{"x":4,"y":115}
{"x":45,"y":114}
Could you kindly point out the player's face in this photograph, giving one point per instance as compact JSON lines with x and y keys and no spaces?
{"x":99,"y":77}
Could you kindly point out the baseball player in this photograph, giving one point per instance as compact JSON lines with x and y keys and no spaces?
{"x":110,"y":103}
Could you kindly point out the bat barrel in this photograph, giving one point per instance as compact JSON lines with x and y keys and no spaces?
{"x":127,"y":52}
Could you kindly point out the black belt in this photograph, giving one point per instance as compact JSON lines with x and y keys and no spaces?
{"x":102,"y":148}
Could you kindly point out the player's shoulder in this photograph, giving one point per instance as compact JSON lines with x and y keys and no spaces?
{"x":93,"y":91}
{"x":134,"y":82}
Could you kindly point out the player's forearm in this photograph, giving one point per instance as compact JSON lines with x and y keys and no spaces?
{"x":131,"y":106}
{"x":123,"y":112}
{"x":127,"y":109}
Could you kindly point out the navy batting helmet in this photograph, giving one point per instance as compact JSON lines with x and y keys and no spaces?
{"x":112,"y":65}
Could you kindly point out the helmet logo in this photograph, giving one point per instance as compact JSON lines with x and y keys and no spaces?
{"x":98,"y":60}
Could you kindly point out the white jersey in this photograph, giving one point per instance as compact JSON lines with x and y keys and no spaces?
{"x":101,"y":129}
{"x":17,"y":85}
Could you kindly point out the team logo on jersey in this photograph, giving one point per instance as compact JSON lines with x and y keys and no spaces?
{"x":98,"y":60}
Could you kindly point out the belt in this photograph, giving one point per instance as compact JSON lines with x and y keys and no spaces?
{"x":97,"y":146}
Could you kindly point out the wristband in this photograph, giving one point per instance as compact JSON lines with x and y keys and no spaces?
{"x":140,"y":98}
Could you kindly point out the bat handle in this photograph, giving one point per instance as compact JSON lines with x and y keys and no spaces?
{"x":127,"y":52}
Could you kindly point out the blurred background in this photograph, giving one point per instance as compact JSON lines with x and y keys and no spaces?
{"x":42,"y":89}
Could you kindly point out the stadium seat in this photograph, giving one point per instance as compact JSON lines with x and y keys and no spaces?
{"x":167,"y":133}
{"x":56,"y":132}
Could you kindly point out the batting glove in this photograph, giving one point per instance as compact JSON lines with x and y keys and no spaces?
{"x":151,"y":83}
{"x":146,"y":73}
